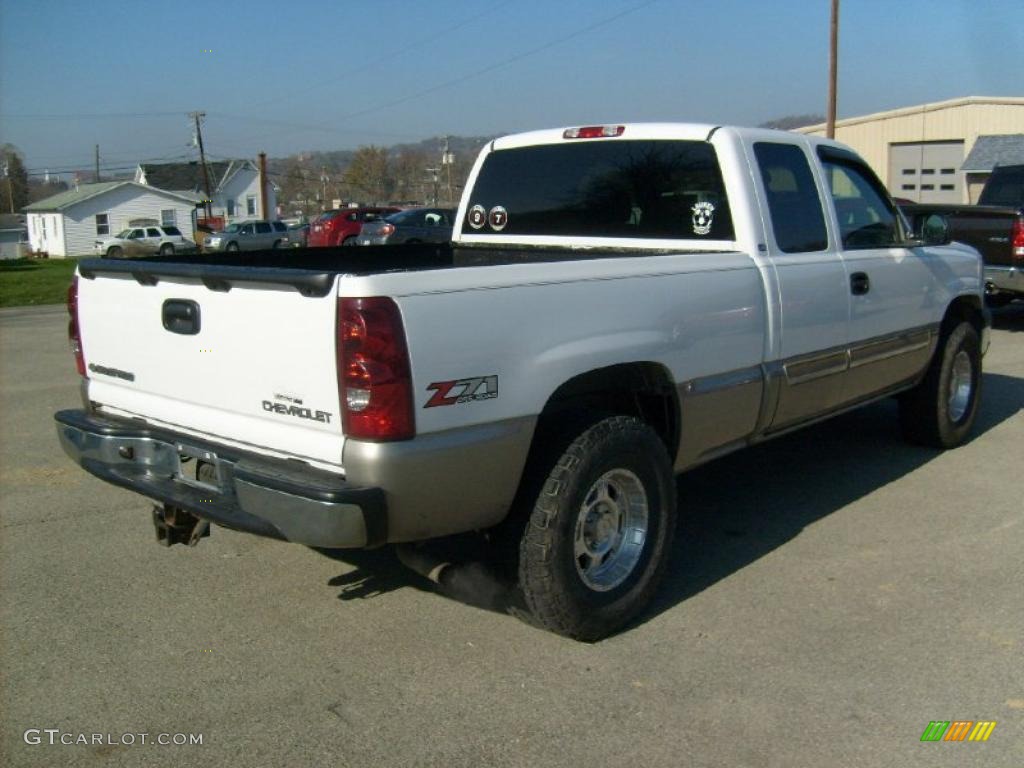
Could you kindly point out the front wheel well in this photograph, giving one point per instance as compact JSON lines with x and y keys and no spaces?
{"x":963,"y":309}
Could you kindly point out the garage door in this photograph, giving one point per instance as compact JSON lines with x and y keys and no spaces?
{"x":927,"y":172}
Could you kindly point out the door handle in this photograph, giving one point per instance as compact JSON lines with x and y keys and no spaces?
{"x":181,"y":316}
{"x":860,"y":283}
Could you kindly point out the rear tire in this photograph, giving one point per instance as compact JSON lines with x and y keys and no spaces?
{"x":115,"y":252}
{"x":350,"y":240}
{"x":941,"y":410}
{"x":166,"y":249}
{"x":597,"y":540}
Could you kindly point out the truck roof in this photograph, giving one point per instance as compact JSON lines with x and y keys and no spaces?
{"x":654,"y":131}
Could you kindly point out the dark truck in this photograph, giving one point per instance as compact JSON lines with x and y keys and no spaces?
{"x":995,"y":226}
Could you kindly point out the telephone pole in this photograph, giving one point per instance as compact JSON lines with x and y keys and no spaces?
{"x":833,"y":57}
{"x":197,"y":116}
{"x":263,"y":186}
{"x":96,"y":178}
{"x":448,"y":160}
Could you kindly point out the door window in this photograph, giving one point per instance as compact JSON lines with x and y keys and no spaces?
{"x":263,"y":228}
{"x":866,"y":217}
{"x":793,"y":202}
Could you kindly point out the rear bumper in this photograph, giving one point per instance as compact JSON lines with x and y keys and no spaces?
{"x":1006,"y":279}
{"x":278,"y":498}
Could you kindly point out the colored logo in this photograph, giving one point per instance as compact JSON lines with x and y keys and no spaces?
{"x":958,"y":730}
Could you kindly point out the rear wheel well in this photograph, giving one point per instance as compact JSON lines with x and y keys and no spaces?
{"x":643,"y":390}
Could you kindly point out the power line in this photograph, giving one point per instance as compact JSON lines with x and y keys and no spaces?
{"x":491,"y":68}
{"x":87,"y":115}
{"x":381,"y":59}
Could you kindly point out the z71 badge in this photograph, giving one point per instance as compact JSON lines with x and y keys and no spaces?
{"x":462,"y":391}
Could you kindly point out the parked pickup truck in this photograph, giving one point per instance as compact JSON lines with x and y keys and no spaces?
{"x":995,"y":226}
{"x":619,"y":304}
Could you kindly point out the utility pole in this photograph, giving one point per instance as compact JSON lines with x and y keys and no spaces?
{"x":263,"y":186}
{"x":323,"y":185}
{"x":448,"y":160}
{"x":197,"y":116}
{"x":10,"y":188}
{"x":96,"y":178}
{"x":833,"y":56}
{"x":433,"y":178}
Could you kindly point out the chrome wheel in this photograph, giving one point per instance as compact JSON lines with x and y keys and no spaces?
{"x":961,"y":385}
{"x":611,"y":528}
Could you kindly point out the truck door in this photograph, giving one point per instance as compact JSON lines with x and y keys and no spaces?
{"x":895,"y":291}
{"x":813,"y":288}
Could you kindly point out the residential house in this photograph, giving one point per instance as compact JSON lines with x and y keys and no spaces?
{"x":69,"y":223}
{"x":13,"y":236}
{"x":234,"y":186}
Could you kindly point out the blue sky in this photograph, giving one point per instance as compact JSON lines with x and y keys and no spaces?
{"x":285,"y":77}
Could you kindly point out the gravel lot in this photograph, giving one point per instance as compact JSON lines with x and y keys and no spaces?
{"x":832,"y":593}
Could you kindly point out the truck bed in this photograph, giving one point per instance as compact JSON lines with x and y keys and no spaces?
{"x":312,"y":270}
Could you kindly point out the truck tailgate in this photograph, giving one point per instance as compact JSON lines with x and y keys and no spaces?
{"x":258,"y":371}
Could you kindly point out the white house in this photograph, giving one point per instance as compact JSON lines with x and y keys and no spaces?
{"x":234,"y":186}
{"x":68,"y":223}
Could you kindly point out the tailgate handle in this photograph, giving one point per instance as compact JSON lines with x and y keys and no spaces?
{"x":181,"y":316}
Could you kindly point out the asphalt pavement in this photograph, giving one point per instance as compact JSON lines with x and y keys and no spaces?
{"x":832,"y":593}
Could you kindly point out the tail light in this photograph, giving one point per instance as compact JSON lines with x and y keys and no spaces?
{"x":594,"y":132}
{"x":1018,"y":240}
{"x":374,"y":380}
{"x":387,"y":229}
{"x":74,"y":333}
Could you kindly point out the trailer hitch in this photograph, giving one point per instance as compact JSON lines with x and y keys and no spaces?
{"x":174,"y":525}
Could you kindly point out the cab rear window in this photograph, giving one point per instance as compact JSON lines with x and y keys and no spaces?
{"x":670,"y":190}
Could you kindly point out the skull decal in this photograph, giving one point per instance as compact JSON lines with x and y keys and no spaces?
{"x":703,"y":216}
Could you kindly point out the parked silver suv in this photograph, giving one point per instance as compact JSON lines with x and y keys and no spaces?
{"x":144,"y":241}
{"x":248,"y":236}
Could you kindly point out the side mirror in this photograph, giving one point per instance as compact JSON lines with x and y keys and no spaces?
{"x":935,"y":230}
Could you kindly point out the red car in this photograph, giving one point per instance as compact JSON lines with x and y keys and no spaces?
{"x":341,"y":226}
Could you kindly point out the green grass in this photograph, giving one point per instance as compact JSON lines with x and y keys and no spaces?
{"x":25,"y":282}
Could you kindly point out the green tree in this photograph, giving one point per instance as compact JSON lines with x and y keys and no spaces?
{"x":14,"y":186}
{"x":370,"y":175}
{"x":409,"y":172}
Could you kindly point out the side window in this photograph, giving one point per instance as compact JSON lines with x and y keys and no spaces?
{"x":279,"y":226}
{"x":866,"y":218}
{"x":137,"y":234}
{"x":150,"y":232}
{"x":263,"y":228}
{"x":246,"y":229}
{"x":793,"y":202}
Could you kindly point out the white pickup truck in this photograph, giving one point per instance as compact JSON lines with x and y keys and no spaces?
{"x":620,"y":303}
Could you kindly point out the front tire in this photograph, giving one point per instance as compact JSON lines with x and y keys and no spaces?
{"x":166,"y":249}
{"x":115,"y":252}
{"x":941,"y":410}
{"x":597,"y":540}
{"x":232,"y":247}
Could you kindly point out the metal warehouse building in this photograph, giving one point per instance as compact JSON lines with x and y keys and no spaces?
{"x":941,"y":152}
